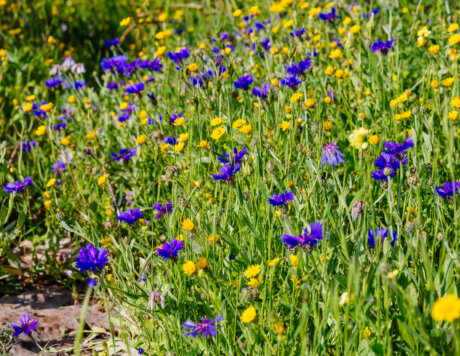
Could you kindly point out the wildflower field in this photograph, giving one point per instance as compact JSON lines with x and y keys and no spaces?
{"x":233,"y":178}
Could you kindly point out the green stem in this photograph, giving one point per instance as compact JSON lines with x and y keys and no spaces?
{"x":81,"y":329}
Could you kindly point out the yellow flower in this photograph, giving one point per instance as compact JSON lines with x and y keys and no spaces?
{"x":203,"y":144}
{"x":314,"y":12}
{"x":279,"y":328}
{"x":40,"y":131}
{"x":254,"y":10}
{"x":310,"y":102}
{"x":71,"y":99}
{"x":423,"y":32}
{"x":366,"y":333}
{"x":295,"y":97}
{"x":254,"y":282}
{"x":65,"y":141}
{"x":294,"y":260}
{"x":329,"y":70}
{"x":47,"y":194}
{"x":47,"y":204}
{"x":275,"y":29}
{"x":162,"y":17}
{"x":189,"y":267}
{"x":237,"y":13}
{"x":214,"y":238}
{"x":179,"y":147}
{"x":160,"y":51}
{"x":434,"y":84}
{"x":163,"y":147}
{"x":341,"y":73}
{"x":355,"y":29}
{"x":327,"y":125}
{"x":288,"y":23}
{"x":285,"y":125}
{"x":30,"y":97}
{"x":246,"y":129}
{"x":336,"y":53}
{"x":216,"y":121}
{"x":374,"y":140}
{"x":448,"y":82}
{"x":141,"y":139}
{"x":46,"y":107}
{"x":27,"y":108}
{"x":249,"y":315}
{"x":188,"y":225}
{"x":273,"y":262}
{"x":421,"y":41}
{"x":447,"y":308}
{"x":358,"y":138}
{"x":218,"y":133}
{"x":252,"y":271}
{"x":101,"y":181}
{"x":183,"y":137}
{"x":454,"y":39}
{"x":109,"y":212}
{"x":193,"y":67}
{"x":434,"y":49}
{"x":125,"y":21}
{"x":456,"y":102}
{"x":91,"y":135}
{"x":202,"y":263}
{"x":51,"y":182}
{"x":452,"y":28}
{"x":453,"y":115}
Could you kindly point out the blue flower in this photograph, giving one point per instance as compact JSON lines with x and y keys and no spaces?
{"x":205,"y":328}
{"x":162,"y":210}
{"x":135,"y":88}
{"x":113,"y":42}
{"x":179,"y":56}
{"x":53,"y":82}
{"x":17,"y":186}
{"x":398,"y":150}
{"x":124,"y":154}
{"x":297,"y":33}
{"x":27,"y":145}
{"x":330,"y":17}
{"x":169,"y":251}
{"x":282,"y":199}
{"x":448,"y":189}
{"x":332,"y":155}
{"x":112,"y":86}
{"x":243,"y":82}
{"x":306,"y":239}
{"x":380,"y":235}
{"x":388,"y":166}
{"x":25,"y":325}
{"x":264,"y":91}
{"x":227,"y":172}
{"x":295,"y":69}
{"x":130,"y":216}
{"x":291,"y":82}
{"x":382,"y":46}
{"x":92,"y":259}
{"x":236,"y":158}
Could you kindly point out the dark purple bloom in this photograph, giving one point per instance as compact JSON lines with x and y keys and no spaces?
{"x":162,"y":210}
{"x":168,"y":251}
{"x":374,"y":12}
{"x":243,"y":82}
{"x":130,"y":216}
{"x":330,"y":17}
{"x":25,"y":325}
{"x":264,"y":90}
{"x":17,"y":186}
{"x":332,"y":155}
{"x":448,"y":189}
{"x":92,"y":282}
{"x":387,"y":166}
{"x":112,"y":86}
{"x":306,"y":239}
{"x":205,"y":328}
{"x":380,"y":235}
{"x":282,"y":199}
{"x":92,"y":259}
{"x":382,"y":46}
{"x":124,"y":154}
{"x":59,"y":167}
{"x":27,"y":145}
{"x":117,"y":64}
{"x":398,"y":150}
{"x":113,"y":42}
{"x":140,"y":350}
{"x":171,"y":140}
{"x":227,"y":172}
{"x":135,"y":88}
{"x":236,"y":158}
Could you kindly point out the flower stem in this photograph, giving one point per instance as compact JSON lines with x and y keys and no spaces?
{"x":81,"y":329}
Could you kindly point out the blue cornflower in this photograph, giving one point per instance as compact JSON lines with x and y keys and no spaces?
{"x":27,"y":145}
{"x":140,"y":350}
{"x":130,"y":216}
{"x":53,"y":82}
{"x":398,"y":150}
{"x":205,"y":328}
{"x":17,"y":187}
{"x":162,"y":210}
{"x":236,"y":158}
{"x":380,"y":235}
{"x":243,"y":82}
{"x":227,"y":172}
{"x":25,"y":325}
{"x":124,"y":154}
{"x":112,"y":86}
{"x":282,"y":199}
{"x":330,"y":17}
{"x":374,"y":12}
{"x":59,"y":167}
{"x":387,"y":166}
{"x":169,"y":251}
{"x":295,"y":69}
{"x":382,"y":46}
{"x":174,"y":117}
{"x":306,"y":239}
{"x":264,"y":90}
{"x":291,"y":82}
{"x":135,"y":88}
{"x":297,"y":33}
{"x":92,"y":259}
{"x":179,"y":56}
{"x":113,"y":42}
{"x":117,"y":63}
{"x":332,"y":155}
{"x":448,"y":189}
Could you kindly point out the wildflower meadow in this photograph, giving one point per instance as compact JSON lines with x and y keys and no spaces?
{"x":231,"y":178}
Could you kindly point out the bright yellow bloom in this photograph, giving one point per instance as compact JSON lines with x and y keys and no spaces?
{"x":238,"y":123}
{"x":254,"y":10}
{"x":237,"y":13}
{"x":218,"y":133}
{"x":434,"y":84}
{"x":246,"y":129}
{"x":453,"y":115}
{"x":355,"y":29}
{"x":254,"y":282}
{"x":373,"y":140}
{"x":202,"y":263}
{"x":188,"y":225}
{"x":189,"y":267}
{"x":279,"y":328}
{"x":30,"y":97}
{"x":193,"y":67}
{"x":40,"y":131}
{"x":285,"y":125}
{"x":366,"y":333}
{"x":160,"y":51}
{"x":162,"y":17}
{"x":434,"y":49}
{"x":141,"y":139}
{"x":47,"y":204}
{"x":46,"y":107}
{"x":273,"y":262}
{"x":446,"y":309}
{"x":288,"y":23}
{"x":294,"y":260}
{"x":27,"y":108}
{"x":295,"y":97}
{"x":203,"y":144}
{"x":214,"y":238}
{"x":65,"y":141}
{"x":101,"y":180}
{"x":310,"y":102}
{"x":448,"y":82}
{"x":358,"y":138}
{"x":249,"y":315}
{"x":51,"y":182}
{"x":71,"y":99}
{"x":454,"y":39}
{"x":452,"y":28}
{"x":336,"y":53}
{"x":329,"y":70}
{"x":125,"y":21}
{"x":252,"y":271}
{"x":217,"y":121}
{"x":456,"y":102}
{"x":179,"y":147}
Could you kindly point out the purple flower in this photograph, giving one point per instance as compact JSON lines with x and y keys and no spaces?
{"x":297,"y":33}
{"x":179,"y":56}
{"x":264,"y":91}
{"x":332,"y":155}
{"x":380,"y":235}
{"x":124,"y":154}
{"x":382,"y":46}
{"x":112,"y":86}
{"x":59,"y":167}
{"x":291,"y":82}
{"x":27,"y":145}
{"x":156,"y":298}
{"x":388,"y":166}
{"x":174,"y":117}
{"x":17,"y":186}
{"x":169,"y":251}
{"x":135,"y":88}
{"x":113,"y":42}
{"x":448,"y":189}
{"x":162,"y":210}
{"x":92,"y":259}
{"x":236,"y":158}
{"x":295,"y":69}
{"x":53,"y":82}
{"x":205,"y":328}
{"x":282,"y":199}
{"x":306,"y":239}
{"x":130,"y":216}
{"x":330,"y":17}
{"x":227,"y":172}
{"x":398,"y":150}
{"x":243,"y":82}
{"x":25,"y":325}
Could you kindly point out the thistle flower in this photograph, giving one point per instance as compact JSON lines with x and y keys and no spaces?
{"x":382,"y":46}
{"x":205,"y":328}
{"x":332,"y":155}
{"x":448,"y":189}
{"x":130,"y":216}
{"x":380,"y":235}
{"x":17,"y":186}
{"x":227,"y":172}
{"x":306,"y":239}
{"x":243,"y":82}
{"x":282,"y":199}
{"x":162,"y":210}
{"x":398,"y":150}
{"x":25,"y":325}
{"x":170,"y":250}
